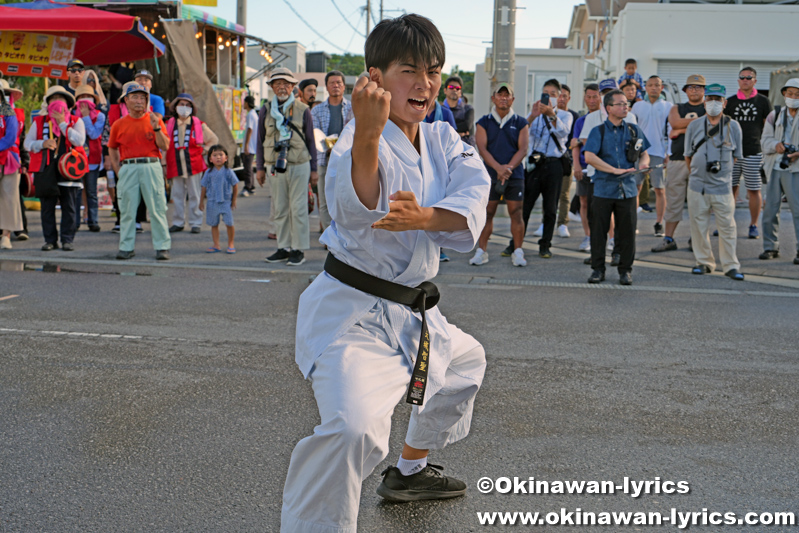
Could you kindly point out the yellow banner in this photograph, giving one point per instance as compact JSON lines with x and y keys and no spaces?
{"x":35,"y":54}
{"x":208,"y":3}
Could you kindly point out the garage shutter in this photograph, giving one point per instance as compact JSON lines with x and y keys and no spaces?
{"x":723,"y":72}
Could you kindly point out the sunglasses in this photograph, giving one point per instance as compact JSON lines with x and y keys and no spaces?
{"x":74,"y":70}
{"x":749,"y":78}
{"x":454,"y":87}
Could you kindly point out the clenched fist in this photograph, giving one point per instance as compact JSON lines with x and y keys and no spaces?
{"x":370,"y":106}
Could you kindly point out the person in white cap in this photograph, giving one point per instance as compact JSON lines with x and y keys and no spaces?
{"x":286,"y":145}
{"x":780,"y":141}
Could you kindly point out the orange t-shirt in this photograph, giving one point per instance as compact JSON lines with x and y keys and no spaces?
{"x":134,"y":137}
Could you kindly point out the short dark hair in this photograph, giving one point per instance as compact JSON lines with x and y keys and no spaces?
{"x":592,"y":87}
{"x":552,"y":83}
{"x":407,"y":38}
{"x":250,"y":101}
{"x":565,"y":87}
{"x":454,"y":78}
{"x":332,"y":74}
{"x":750,"y":69}
{"x":608,"y":99}
{"x":217,"y":148}
{"x":653,"y":76}
{"x":630,"y":61}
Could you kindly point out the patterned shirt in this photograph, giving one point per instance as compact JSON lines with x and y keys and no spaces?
{"x":321,"y":120}
{"x":219,"y":184}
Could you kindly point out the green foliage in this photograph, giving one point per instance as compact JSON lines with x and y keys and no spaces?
{"x":33,"y":92}
{"x":467,"y":77}
{"x":349,"y":64}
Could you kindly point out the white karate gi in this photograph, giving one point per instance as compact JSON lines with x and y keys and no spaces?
{"x":358,"y":350}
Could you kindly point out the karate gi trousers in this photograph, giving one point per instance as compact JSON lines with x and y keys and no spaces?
{"x":357,"y":382}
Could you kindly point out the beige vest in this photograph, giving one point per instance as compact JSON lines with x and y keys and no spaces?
{"x":298,"y":152}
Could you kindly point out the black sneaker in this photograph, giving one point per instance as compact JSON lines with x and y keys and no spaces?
{"x":544,"y":253}
{"x":769,"y":254}
{"x":597,"y":276}
{"x":296,"y":258}
{"x":507,"y":252}
{"x":587,"y":261}
{"x":665,"y":246}
{"x":659,"y":230}
{"x":626,"y":278}
{"x":429,"y":484}
{"x":277,"y":257}
{"x":615,"y":259}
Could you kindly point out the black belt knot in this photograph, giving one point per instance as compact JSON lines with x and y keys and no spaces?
{"x":419,"y":299}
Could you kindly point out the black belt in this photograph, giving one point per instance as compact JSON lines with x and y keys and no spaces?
{"x":141,"y":160}
{"x":419,"y":299}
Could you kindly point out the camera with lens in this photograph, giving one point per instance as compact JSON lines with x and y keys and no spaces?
{"x":785,"y":162}
{"x":281,"y":162}
{"x":713,"y":167}
{"x":534,"y":160}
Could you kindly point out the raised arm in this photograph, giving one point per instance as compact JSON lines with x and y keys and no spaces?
{"x":371,"y":106}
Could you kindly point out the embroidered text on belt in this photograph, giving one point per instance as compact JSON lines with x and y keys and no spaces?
{"x":421,"y":298}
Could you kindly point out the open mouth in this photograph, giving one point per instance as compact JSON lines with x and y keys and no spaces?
{"x":420,"y":104}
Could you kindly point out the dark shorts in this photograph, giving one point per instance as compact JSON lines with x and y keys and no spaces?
{"x":584,"y":186}
{"x":514,"y":192}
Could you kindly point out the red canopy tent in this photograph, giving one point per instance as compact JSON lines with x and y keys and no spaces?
{"x":39,"y":38}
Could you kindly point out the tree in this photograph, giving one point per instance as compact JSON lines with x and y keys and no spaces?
{"x":349,"y":64}
{"x":467,"y":77}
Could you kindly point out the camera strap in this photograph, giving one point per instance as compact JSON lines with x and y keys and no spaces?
{"x":552,"y":133}
{"x":708,"y":134}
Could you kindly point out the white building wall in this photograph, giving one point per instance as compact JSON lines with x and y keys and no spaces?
{"x":720,"y":34}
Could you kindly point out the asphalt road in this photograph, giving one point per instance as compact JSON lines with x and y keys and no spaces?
{"x":138,"y":396}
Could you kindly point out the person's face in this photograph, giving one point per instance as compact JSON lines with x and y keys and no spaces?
{"x":618,"y":108}
{"x":413,"y":89}
{"x":218,"y":158}
{"x":309,"y":94}
{"x":57,"y":98}
{"x":335,"y":86}
{"x":145,"y":81}
{"x":791,"y":92}
{"x":86,"y":99}
{"x":630,"y":69}
{"x":453,"y":90}
{"x":592,"y":100}
{"x":282,"y":89}
{"x":553,"y":93}
{"x":136,"y":102}
{"x":563,"y":100}
{"x":629,"y":91}
{"x":746,"y":80}
{"x":654,"y":87}
{"x":502,"y":100}
{"x":696,"y":94}
{"x":75,"y":75}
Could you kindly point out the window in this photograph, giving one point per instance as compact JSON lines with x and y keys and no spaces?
{"x":589,"y":45}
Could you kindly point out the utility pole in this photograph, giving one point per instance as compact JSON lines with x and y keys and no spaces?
{"x":381,"y":9}
{"x":368,"y":14}
{"x":241,"y":19}
{"x":504,"y":43}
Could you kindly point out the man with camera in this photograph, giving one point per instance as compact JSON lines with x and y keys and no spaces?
{"x":613,"y":148}
{"x":780,"y":141}
{"x":286,"y":144}
{"x":549,"y":139}
{"x":712,"y":144}
{"x":501,"y":139}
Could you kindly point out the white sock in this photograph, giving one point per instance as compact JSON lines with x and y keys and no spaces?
{"x":408,"y":467}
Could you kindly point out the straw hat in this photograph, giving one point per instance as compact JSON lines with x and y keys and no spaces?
{"x":83,"y":90}
{"x":8,"y":90}
{"x":58,"y":90}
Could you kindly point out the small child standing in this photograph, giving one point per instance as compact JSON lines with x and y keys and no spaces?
{"x":219,"y":185}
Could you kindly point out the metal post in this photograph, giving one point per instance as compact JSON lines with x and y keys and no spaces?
{"x":368,"y":14}
{"x":504,"y":42}
{"x":381,"y":9}
{"x":241,"y":19}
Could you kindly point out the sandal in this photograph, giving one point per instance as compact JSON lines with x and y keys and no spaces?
{"x":230,"y":251}
{"x":213,"y":250}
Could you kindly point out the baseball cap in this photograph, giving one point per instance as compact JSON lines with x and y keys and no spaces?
{"x":309,"y":81}
{"x":282,"y":73}
{"x":75,"y":63}
{"x":143,"y":72}
{"x":504,"y":86}
{"x":793,"y":82}
{"x":715,"y":89}
{"x":607,"y":84}
{"x":133,"y":87}
{"x":694,"y":79}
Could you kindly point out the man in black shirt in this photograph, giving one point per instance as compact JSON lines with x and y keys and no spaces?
{"x":750,"y":109}
{"x":677,"y":182}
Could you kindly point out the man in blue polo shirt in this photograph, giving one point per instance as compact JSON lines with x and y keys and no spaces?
{"x":613,"y":149}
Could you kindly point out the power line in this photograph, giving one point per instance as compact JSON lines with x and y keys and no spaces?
{"x":346,"y":19}
{"x":314,"y":29}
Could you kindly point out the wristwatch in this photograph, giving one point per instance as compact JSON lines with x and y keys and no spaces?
{"x":156,"y":129}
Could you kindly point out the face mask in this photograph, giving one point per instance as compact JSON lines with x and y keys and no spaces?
{"x":792,"y":103}
{"x":184,"y":110}
{"x":713,"y":108}
{"x":57,"y":107}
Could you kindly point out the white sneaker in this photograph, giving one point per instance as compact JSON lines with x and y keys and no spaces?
{"x":585,"y":246}
{"x":611,"y":244}
{"x":539,"y":232}
{"x":639,"y":210}
{"x":575,"y":217}
{"x":518,"y":259}
{"x":5,"y":242}
{"x":563,"y":231}
{"x":480,"y":258}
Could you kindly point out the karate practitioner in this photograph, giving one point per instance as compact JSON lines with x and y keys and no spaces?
{"x":398,"y":190}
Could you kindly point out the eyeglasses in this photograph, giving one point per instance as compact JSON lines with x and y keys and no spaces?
{"x":618,"y":104}
{"x":454,"y":87}
{"x":74,"y":70}
{"x":696,"y":87}
{"x":748,"y":78}
{"x":280,"y":83}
